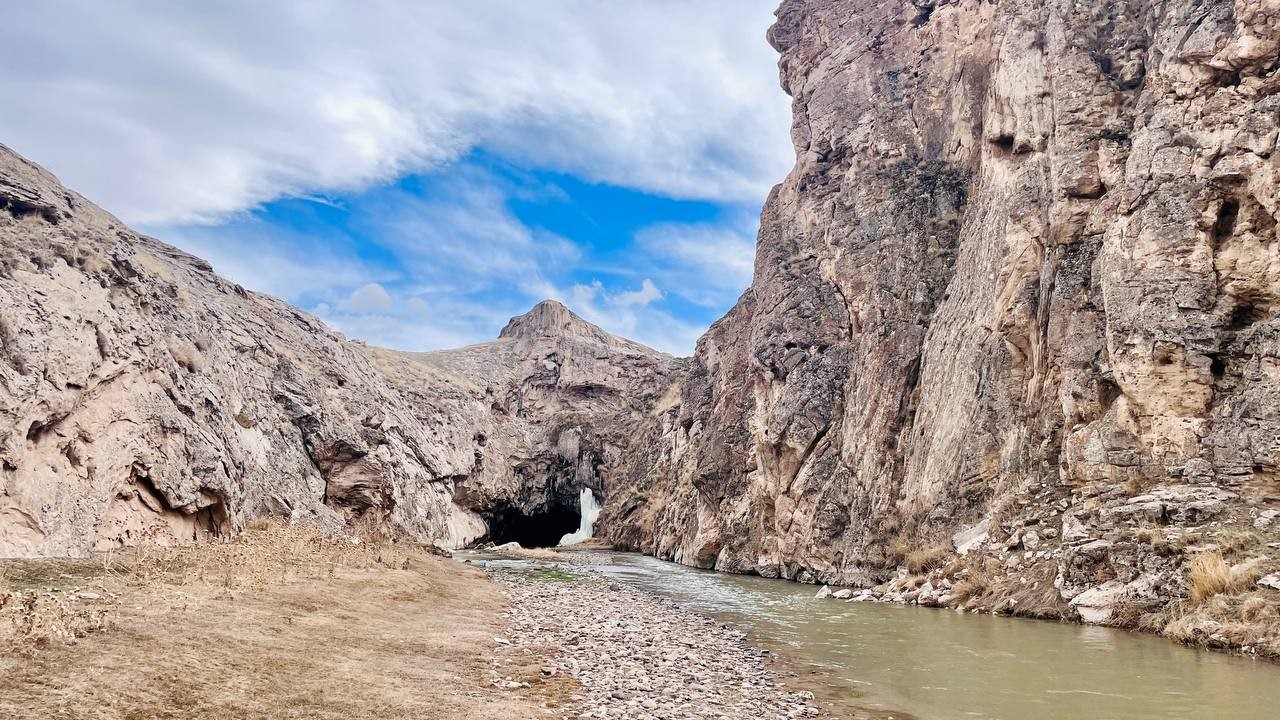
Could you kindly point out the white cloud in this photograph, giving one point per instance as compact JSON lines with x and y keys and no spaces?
{"x":455,"y":263}
{"x":268,"y":259}
{"x":371,"y":298}
{"x":172,"y":112}
{"x":647,"y":293}
{"x":707,"y":264}
{"x":405,"y":326}
{"x":621,"y":314}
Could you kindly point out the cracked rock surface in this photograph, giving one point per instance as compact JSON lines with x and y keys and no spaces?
{"x":1022,"y":277}
{"x":144,"y":397}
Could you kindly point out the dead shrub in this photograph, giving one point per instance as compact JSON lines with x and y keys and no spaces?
{"x":1233,"y":542}
{"x":33,"y":620}
{"x":970,"y":588}
{"x":185,"y":354}
{"x":1210,"y":575}
{"x":923,"y":560}
{"x":268,"y":551}
{"x":1252,"y":609}
{"x":1207,"y":576}
{"x":1124,"y":615}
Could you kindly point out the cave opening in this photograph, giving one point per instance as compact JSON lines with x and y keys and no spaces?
{"x":541,"y":528}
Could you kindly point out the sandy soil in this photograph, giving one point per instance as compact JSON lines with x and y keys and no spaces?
{"x":408,"y":641}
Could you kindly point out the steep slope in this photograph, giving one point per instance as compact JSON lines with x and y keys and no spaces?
{"x":555,"y":400}
{"x":142,"y":396}
{"x":1019,"y":289}
{"x":1011,"y":344}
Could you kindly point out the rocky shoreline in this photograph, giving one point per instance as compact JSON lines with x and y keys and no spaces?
{"x":638,"y":656}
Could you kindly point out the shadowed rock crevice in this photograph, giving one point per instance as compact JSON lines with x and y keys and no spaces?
{"x":542,"y":528}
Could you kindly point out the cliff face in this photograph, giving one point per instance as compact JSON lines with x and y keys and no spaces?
{"x":142,"y":396}
{"x":1021,"y":281}
{"x":1012,"y":330}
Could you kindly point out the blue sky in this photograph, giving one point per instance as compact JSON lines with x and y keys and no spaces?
{"x":417,"y":173}
{"x":445,"y":258}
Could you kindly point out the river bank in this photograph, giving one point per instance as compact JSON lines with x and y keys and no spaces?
{"x":904,"y":660}
{"x":284,"y":622}
{"x":640,"y":657}
{"x":280,"y":623}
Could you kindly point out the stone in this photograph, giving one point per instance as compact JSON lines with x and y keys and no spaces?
{"x":1024,"y":271}
{"x":1271,"y":582}
{"x":1266,"y":519}
{"x":672,"y":663}
{"x":843,"y":594}
{"x":824,"y":592}
{"x":1096,"y":605}
{"x":141,"y":396}
{"x":971,"y":538}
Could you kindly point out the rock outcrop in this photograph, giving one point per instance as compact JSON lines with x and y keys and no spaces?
{"x":142,"y":396}
{"x":1011,"y":344}
{"x":1021,"y":282}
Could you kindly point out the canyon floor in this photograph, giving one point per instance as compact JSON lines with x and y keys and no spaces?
{"x":286,"y":624}
{"x":273,"y":627}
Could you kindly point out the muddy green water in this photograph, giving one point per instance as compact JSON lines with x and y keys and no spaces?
{"x":936,"y":664}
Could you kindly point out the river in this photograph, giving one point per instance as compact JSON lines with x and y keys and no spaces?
{"x":936,"y":664}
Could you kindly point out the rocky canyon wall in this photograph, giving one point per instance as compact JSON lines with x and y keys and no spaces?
{"x":142,"y":397}
{"x":1017,"y":298}
{"x":1012,"y":329}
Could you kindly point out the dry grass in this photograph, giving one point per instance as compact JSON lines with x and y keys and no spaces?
{"x":923,"y":560}
{"x":1207,"y":576}
{"x":1253,"y":609}
{"x":981,"y":585}
{"x":916,"y":558}
{"x":1249,"y":621}
{"x":186,"y":354}
{"x":283,"y":623}
{"x":36,"y":620}
{"x":532,"y":554}
{"x":1210,"y":575}
{"x":1235,"y":542}
{"x":1166,"y":544}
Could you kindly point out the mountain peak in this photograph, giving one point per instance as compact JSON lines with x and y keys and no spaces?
{"x":550,"y":318}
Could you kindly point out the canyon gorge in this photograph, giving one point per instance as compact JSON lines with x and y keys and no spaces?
{"x":1011,"y":344}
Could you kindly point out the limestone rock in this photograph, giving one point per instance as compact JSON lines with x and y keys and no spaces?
{"x":1096,"y":604}
{"x":971,"y":538}
{"x":144,"y":397}
{"x":1023,"y":268}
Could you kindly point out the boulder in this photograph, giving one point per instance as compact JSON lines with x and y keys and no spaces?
{"x":1096,"y":605}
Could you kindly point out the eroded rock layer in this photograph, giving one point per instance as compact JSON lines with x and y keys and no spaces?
{"x":1011,"y":344}
{"x":143,"y":397}
{"x":1022,"y":280}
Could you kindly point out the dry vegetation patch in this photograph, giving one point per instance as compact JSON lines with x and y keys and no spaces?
{"x":283,"y":623}
{"x":1210,"y":575}
{"x":925,"y":559}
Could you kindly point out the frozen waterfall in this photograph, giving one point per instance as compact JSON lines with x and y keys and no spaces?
{"x":589,"y":508}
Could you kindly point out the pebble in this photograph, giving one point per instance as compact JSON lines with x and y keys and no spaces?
{"x":638,"y":656}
